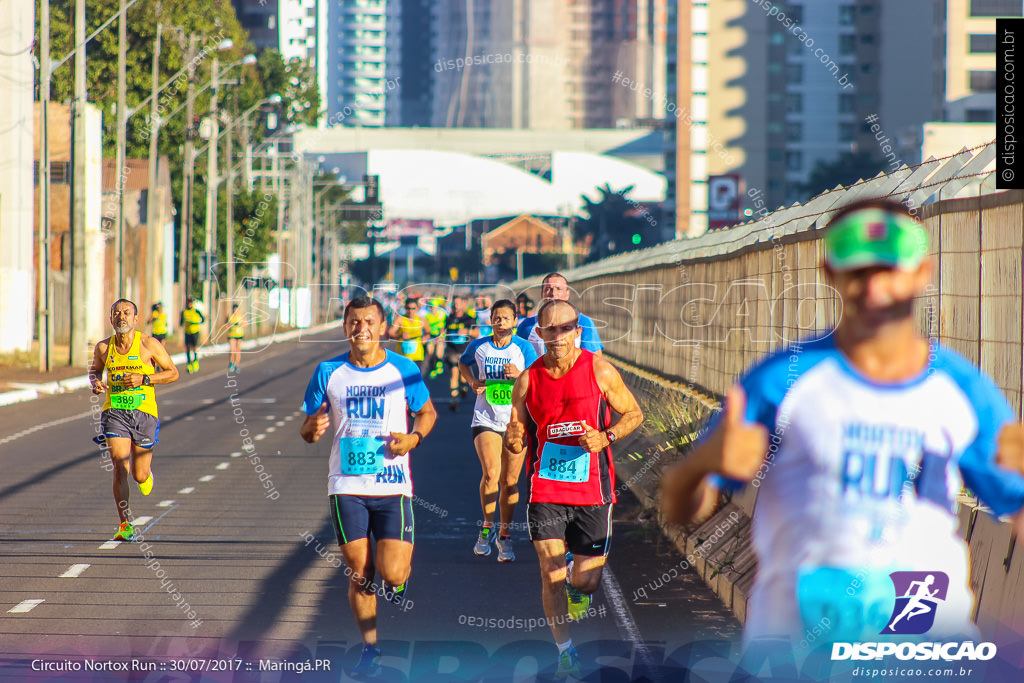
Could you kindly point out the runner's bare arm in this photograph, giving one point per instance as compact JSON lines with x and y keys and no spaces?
{"x":515,"y":432}
{"x":620,"y":398}
{"x":467,"y":374}
{"x":99,"y":359}
{"x":161,"y":359}
{"x":734,"y":449}
{"x":423,"y":423}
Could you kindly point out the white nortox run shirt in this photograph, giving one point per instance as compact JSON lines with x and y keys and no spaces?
{"x":368,"y":402}
{"x":865,"y":475}
{"x":487,"y":363}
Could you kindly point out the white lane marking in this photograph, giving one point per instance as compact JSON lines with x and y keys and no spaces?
{"x":187,"y":489}
{"x":271,"y":430}
{"x":73,"y":571}
{"x":45,"y":425}
{"x":279,"y":423}
{"x":624,"y":620}
{"x":257,"y":400}
{"x":165,"y":503}
{"x":139,"y":521}
{"x":25,"y":606}
{"x":270,"y":417}
{"x":236,"y":454}
{"x":109,"y":545}
{"x":207,"y":477}
{"x":259,"y":437}
{"x":223,"y":466}
{"x":190,"y":417}
{"x":211,"y":417}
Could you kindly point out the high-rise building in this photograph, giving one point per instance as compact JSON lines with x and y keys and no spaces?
{"x":259,"y":18}
{"x":971,"y":58}
{"x":546,"y":64}
{"x":303,"y":34}
{"x":788,"y":89}
{"x":415,"y":65}
{"x":363,"y":78}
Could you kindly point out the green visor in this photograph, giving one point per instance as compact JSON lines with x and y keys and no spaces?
{"x":875,"y":237}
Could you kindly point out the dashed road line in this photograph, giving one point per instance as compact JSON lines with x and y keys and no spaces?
{"x":45,"y":425}
{"x":165,"y":503}
{"x":259,"y":437}
{"x":109,"y":545}
{"x":26,"y":606}
{"x":223,"y":466}
{"x":74,"y":571}
{"x":206,"y":477}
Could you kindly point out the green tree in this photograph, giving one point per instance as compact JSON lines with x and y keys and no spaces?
{"x":612,"y":221}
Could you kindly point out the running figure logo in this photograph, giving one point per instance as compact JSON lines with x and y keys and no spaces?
{"x":918,"y":595}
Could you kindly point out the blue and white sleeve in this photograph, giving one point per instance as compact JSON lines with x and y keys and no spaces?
{"x":765,"y":387}
{"x":590,"y":340}
{"x":468,"y":357}
{"x":529,"y":353}
{"x":416,"y":392}
{"x":316,"y":392}
{"x":999,"y":489}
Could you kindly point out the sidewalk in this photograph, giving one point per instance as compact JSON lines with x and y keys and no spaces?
{"x":65,"y":379}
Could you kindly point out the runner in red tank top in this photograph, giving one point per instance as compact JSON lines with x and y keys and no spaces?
{"x":561,"y":415}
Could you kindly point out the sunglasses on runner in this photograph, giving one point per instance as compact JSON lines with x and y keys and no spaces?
{"x":556,"y":330}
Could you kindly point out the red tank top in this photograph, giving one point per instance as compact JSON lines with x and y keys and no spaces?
{"x":558,"y":469}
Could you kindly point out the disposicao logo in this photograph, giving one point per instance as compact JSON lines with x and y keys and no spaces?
{"x":919,"y":596}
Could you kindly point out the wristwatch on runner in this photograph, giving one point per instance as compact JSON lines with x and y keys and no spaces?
{"x":146,"y":381}
{"x":610,"y":435}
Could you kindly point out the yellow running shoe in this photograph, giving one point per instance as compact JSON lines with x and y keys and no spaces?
{"x":125,"y":532}
{"x":579,"y":603}
{"x":146,"y":486}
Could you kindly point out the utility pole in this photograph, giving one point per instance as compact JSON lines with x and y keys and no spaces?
{"x":185,"y":235}
{"x":122,"y":139}
{"x":79,"y":297}
{"x":154,"y":231}
{"x":44,"y":302}
{"x":211,"y":197}
{"x":229,"y":210}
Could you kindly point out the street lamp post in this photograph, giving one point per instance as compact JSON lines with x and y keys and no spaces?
{"x":211,"y":197}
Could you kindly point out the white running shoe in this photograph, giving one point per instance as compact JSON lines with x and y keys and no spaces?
{"x":483,"y":542}
{"x":505,"y":552}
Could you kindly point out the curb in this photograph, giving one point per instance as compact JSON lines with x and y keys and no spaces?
{"x":30,"y":392}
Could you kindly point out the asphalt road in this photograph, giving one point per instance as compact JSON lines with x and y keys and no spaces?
{"x":246,"y":548}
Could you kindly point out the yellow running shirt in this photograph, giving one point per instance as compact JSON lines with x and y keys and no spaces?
{"x":119,"y":395}
{"x":235,"y":331}
{"x":193,"y":319}
{"x":411,"y":341}
{"x":159,"y":323}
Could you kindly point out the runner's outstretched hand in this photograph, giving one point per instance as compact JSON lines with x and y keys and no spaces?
{"x":592,"y":440}
{"x":314,"y":426}
{"x":401,"y":444}
{"x":743,"y":444}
